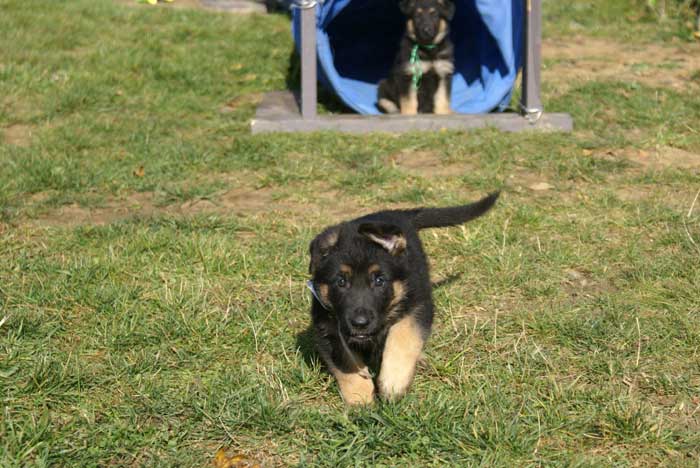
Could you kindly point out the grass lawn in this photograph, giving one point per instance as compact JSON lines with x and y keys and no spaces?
{"x":153,"y":253}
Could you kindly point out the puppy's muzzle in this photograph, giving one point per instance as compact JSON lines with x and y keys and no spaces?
{"x":427,"y":32}
{"x":426,"y":29}
{"x":361,"y":323}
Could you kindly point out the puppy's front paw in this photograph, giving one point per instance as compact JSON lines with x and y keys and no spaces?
{"x":443,"y":111}
{"x":356,"y":389}
{"x":403,"y":348}
{"x":408,"y":104}
{"x":394,"y":387}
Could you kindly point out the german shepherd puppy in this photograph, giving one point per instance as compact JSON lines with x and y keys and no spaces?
{"x":372,"y":304}
{"x":421,"y":78}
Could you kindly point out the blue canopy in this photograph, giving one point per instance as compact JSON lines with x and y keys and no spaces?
{"x":357,"y":41}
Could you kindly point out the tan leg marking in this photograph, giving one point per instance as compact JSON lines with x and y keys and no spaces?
{"x":393,"y":309}
{"x":402,"y":350}
{"x":409,"y":103}
{"x":441,"y":101}
{"x":356,"y":388}
{"x":399,"y":288}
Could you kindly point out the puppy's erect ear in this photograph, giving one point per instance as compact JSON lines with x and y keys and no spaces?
{"x":446,"y":8}
{"x":389,"y":236}
{"x":407,"y":6}
{"x":321,"y":246}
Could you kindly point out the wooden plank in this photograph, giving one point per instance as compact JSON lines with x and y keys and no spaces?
{"x":279,"y":112}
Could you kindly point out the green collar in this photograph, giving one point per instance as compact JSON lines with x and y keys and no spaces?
{"x":416,"y":65}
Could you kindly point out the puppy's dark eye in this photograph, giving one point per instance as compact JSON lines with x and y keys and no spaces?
{"x":379,"y":281}
{"x":341,"y":282}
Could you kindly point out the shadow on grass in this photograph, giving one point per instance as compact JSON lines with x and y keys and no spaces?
{"x":307,"y":347}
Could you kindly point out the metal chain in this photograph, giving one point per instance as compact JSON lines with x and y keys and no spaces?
{"x":532,"y":114}
{"x":305,"y":4}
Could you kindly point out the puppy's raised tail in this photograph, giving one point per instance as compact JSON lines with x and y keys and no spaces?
{"x":451,"y":216}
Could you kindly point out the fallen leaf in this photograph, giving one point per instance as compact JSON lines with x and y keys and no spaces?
{"x":139,"y":171}
{"x":587,"y":152}
{"x":540,"y":186}
{"x":223,"y":461}
{"x":696,"y":35}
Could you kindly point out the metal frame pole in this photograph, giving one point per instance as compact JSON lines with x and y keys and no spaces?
{"x":308,"y":58}
{"x":530,"y":102}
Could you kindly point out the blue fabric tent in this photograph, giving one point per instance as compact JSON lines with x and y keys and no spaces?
{"x":357,"y":41}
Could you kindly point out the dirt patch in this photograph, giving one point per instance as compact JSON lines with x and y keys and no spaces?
{"x":576,"y":59}
{"x":162,"y":4}
{"x":74,"y":214}
{"x":18,"y":135}
{"x":228,"y":6}
{"x":665,"y":157}
{"x":662,"y":157}
{"x":250,"y":200}
{"x":240,"y":200}
{"x":427,"y":164}
{"x":633,"y":193}
{"x":252,"y":99}
{"x":523,"y":181}
{"x":581,"y":283}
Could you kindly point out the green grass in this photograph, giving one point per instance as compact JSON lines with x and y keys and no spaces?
{"x":155,"y":334}
{"x":629,"y":20}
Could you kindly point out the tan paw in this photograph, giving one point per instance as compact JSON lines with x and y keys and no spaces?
{"x":394,"y":388}
{"x":357,"y":388}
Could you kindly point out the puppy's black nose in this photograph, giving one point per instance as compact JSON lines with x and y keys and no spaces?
{"x":360,"y":320}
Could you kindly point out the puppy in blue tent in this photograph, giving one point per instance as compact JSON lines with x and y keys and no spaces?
{"x":358,"y":42}
{"x":420,"y":80}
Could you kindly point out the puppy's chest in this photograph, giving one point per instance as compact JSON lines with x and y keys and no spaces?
{"x":440,"y":66}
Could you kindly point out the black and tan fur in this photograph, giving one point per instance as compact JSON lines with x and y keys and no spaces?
{"x":372,"y":305}
{"x":427,"y":24}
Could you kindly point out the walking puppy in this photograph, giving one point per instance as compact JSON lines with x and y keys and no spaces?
{"x":421,"y":78}
{"x":372,"y":305}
